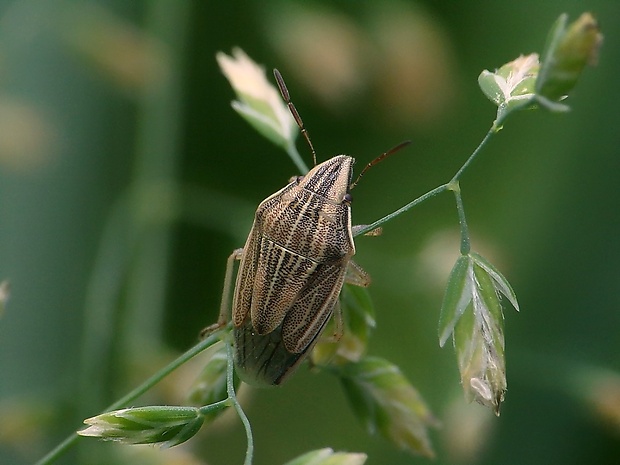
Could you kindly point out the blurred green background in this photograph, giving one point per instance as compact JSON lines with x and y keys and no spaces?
{"x":126,"y":180}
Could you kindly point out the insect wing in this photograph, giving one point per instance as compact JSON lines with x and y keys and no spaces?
{"x":268,"y":359}
{"x":309,"y":314}
{"x":248,"y":268}
{"x":280,"y":278}
{"x":242,"y":299}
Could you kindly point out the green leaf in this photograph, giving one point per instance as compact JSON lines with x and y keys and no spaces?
{"x":358,"y":318}
{"x":511,"y":87}
{"x":492,"y":318}
{"x":489,"y":86}
{"x":385,"y":401}
{"x":329,"y":457}
{"x":500,"y":282}
{"x":457,"y":297}
{"x":465,"y":345}
{"x":358,"y":303}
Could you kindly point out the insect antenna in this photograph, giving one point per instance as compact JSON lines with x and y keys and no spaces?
{"x":287,"y":98}
{"x":378,"y":159}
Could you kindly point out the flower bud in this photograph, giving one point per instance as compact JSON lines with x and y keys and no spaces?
{"x":163,"y":425}
{"x":472,"y":313}
{"x":511,"y":87}
{"x":569,"y":49}
{"x":385,"y":401}
{"x":259,"y":101}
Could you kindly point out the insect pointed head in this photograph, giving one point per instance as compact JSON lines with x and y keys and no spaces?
{"x":330,"y":179}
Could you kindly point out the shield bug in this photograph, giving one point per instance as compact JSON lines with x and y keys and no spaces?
{"x":292,"y":267}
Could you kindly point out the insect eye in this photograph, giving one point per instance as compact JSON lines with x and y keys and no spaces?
{"x":296,"y":179}
{"x":347,"y":198}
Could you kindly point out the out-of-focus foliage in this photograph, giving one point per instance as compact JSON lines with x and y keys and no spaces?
{"x":126,"y":180}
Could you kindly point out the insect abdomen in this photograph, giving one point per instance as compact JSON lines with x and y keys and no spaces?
{"x":263,"y":359}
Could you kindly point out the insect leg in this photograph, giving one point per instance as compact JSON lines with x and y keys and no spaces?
{"x":225,"y":304}
{"x":356,"y":275}
{"x":338,"y":322}
{"x":373,"y":232}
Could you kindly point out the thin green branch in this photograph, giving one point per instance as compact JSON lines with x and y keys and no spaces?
{"x":59,"y":450}
{"x":455,"y":187}
{"x":465,"y":241}
{"x":401,"y":210}
{"x":452,"y":185}
{"x":214,"y":407}
{"x":494,"y":129}
{"x":230,"y":387}
{"x":72,"y":439}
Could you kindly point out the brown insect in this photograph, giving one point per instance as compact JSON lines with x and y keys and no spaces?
{"x":293,"y":266}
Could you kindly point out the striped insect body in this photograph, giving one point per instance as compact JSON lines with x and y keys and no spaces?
{"x":292,"y":270}
{"x":292,"y":267}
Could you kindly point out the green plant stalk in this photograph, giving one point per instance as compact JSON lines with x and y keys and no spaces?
{"x":491,"y":132}
{"x":452,"y":185}
{"x":232,"y":397}
{"x":401,"y":210}
{"x":205,"y":409}
{"x":465,"y":241}
{"x":72,"y":439}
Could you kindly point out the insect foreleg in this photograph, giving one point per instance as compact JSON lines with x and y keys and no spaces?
{"x":373,"y":232}
{"x":225,"y":303}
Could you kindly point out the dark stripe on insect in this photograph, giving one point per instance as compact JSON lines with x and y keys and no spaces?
{"x":267,"y":360}
{"x":322,"y":182}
